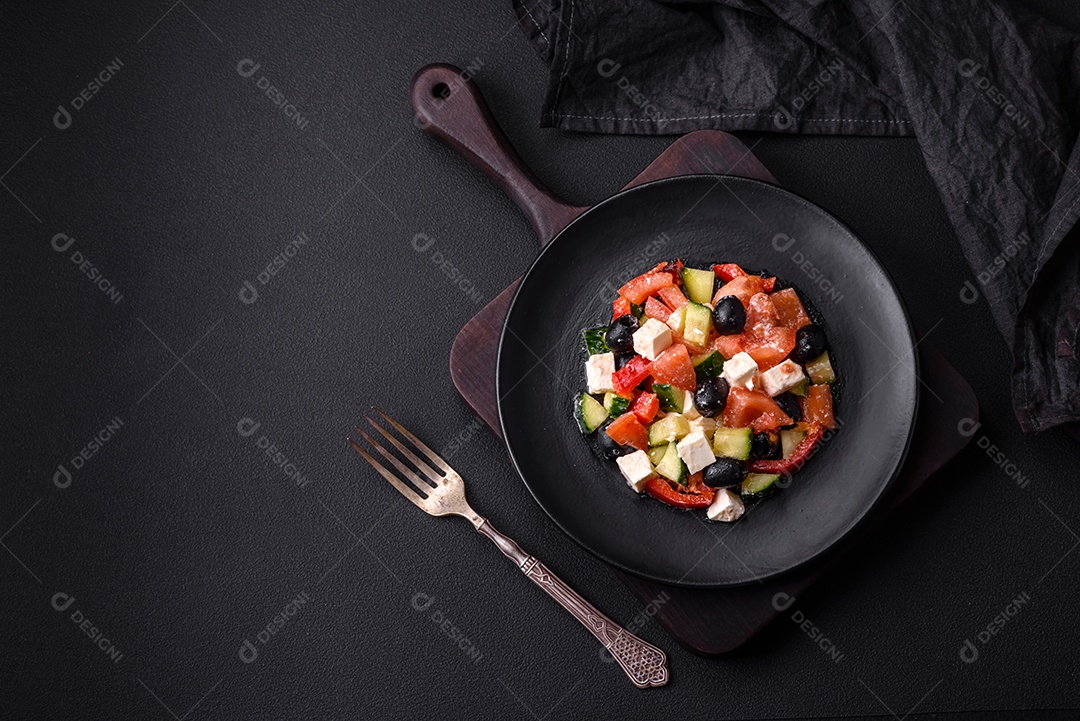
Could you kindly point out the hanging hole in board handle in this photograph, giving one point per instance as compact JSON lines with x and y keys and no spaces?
{"x":449,"y":105}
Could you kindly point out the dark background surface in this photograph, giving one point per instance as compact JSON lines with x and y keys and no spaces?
{"x":180,"y":538}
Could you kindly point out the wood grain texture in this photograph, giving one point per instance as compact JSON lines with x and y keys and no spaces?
{"x":709,"y":622}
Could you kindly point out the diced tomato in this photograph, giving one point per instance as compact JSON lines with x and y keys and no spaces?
{"x":755,"y":409}
{"x":631,"y":374}
{"x":645,"y":407}
{"x":661,"y":489}
{"x":744,"y":288}
{"x":761,"y":315}
{"x":620,"y":307}
{"x":675,"y":367}
{"x":767,"y":284}
{"x":789,"y":309}
{"x":626,"y":430}
{"x":817,"y":407}
{"x":730,"y":345}
{"x":771,"y":349}
{"x":728,"y":271}
{"x":795,"y":461}
{"x":638,"y":289}
{"x":672,"y":269}
{"x":673,"y":297}
{"x":656,"y":309}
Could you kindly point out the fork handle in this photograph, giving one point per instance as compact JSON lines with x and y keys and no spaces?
{"x":645,"y":664}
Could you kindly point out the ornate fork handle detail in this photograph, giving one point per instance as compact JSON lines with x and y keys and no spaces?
{"x":645,"y":664}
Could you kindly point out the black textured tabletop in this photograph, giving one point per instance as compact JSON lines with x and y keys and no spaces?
{"x":226,"y":239}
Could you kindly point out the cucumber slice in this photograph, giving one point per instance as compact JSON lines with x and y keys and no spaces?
{"x":820,"y":369}
{"x":672,"y":467}
{"x":670,"y":397}
{"x":790,"y":439}
{"x":709,"y":365}
{"x":615,"y":404}
{"x":732,"y":443}
{"x":594,"y":341}
{"x":637,"y":310}
{"x":668,"y":430}
{"x":590,"y":413}
{"x":758,"y":485}
{"x":677,"y":320}
{"x":698,"y":284}
{"x":800,"y":388}
{"x":655,"y":454}
{"x":697,"y":325}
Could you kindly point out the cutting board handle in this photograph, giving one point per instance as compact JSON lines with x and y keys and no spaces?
{"x":449,"y":106}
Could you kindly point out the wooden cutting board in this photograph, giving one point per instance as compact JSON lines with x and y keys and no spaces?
{"x":710,"y":622}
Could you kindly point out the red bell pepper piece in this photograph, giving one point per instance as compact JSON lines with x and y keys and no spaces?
{"x":645,"y":407}
{"x":798,"y":457}
{"x":620,"y":307}
{"x":730,"y":271}
{"x":631,"y":374}
{"x":690,"y":496}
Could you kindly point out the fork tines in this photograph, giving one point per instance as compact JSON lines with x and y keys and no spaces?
{"x":420,"y":488}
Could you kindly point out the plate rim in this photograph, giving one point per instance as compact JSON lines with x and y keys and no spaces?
{"x":846,"y":533}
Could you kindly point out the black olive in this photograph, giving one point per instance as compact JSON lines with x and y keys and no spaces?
{"x":609,"y":449}
{"x":620,"y":334}
{"x":724,"y":472}
{"x":789,"y":405}
{"x":622,"y":359}
{"x":729,"y":316}
{"x":810,"y":342}
{"x":710,"y":396}
{"x":765,"y":447}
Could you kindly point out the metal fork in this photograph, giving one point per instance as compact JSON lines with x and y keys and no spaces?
{"x":645,"y":664}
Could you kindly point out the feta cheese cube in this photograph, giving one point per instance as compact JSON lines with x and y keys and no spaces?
{"x":598,"y":371}
{"x":740,"y":371}
{"x":652,"y":339}
{"x":726,"y":506}
{"x":636,"y":469}
{"x":688,"y":409}
{"x":705,"y":425}
{"x":695,"y":451}
{"x":781,"y":377}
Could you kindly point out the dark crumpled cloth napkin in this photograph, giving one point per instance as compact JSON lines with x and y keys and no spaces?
{"x":991,"y":92}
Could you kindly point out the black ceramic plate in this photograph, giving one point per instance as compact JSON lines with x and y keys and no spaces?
{"x":703,"y":220}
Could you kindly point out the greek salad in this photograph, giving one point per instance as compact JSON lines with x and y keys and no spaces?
{"x":706,"y":396}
